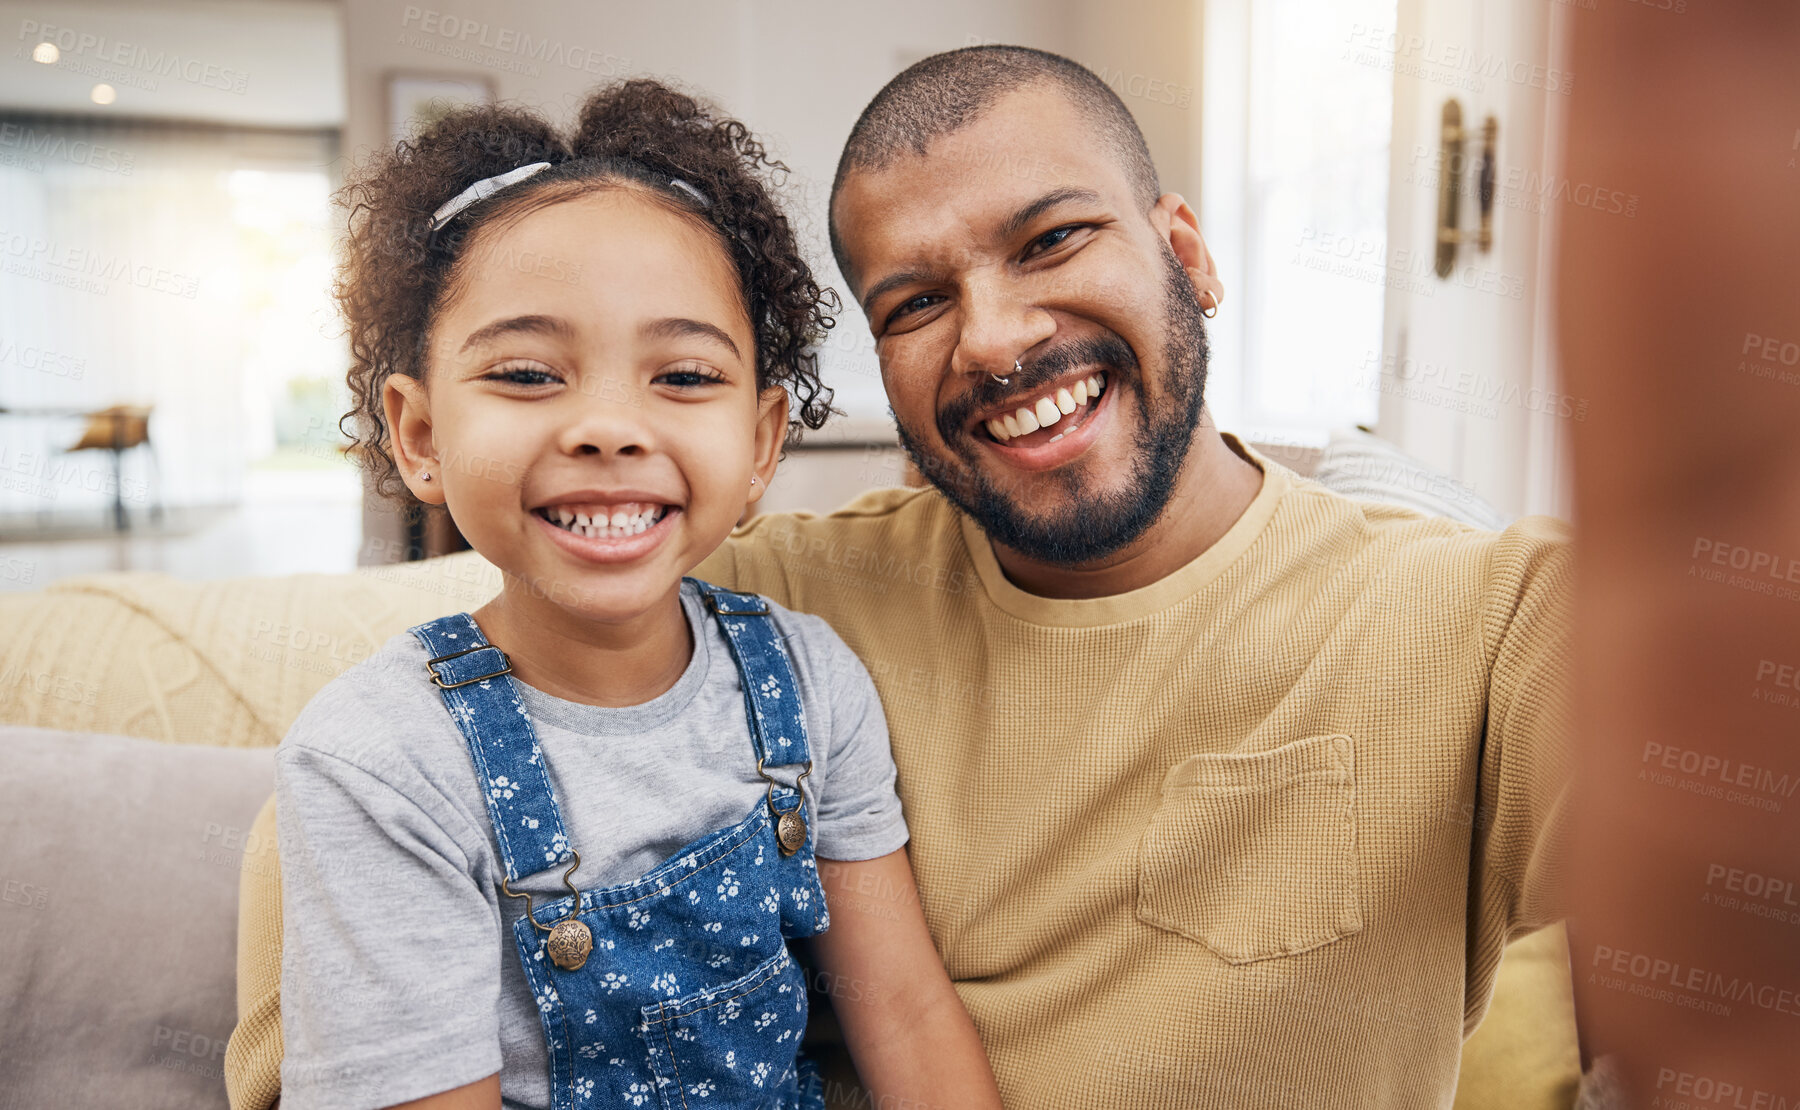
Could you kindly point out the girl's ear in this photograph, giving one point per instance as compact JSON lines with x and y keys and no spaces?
{"x":771,"y":433}
{"x":408,"y":410}
{"x":1174,"y":219}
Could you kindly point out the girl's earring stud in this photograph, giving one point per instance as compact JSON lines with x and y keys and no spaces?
{"x":753,"y":479}
{"x":424,"y":475}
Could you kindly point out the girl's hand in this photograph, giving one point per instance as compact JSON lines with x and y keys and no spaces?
{"x":912,"y":1041}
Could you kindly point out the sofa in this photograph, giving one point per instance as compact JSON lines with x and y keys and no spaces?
{"x":137,"y":717}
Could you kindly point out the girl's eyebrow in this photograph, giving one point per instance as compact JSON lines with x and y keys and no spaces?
{"x":553,"y":326}
{"x":681,"y":327}
{"x":669,"y":327}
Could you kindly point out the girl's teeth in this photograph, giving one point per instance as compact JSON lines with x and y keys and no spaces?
{"x":616,"y":525}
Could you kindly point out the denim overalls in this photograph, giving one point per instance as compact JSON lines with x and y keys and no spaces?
{"x":689,"y":997}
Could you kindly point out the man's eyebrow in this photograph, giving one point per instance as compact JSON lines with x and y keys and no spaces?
{"x":904,"y":277}
{"x":554,"y":326}
{"x":1065,"y":195}
{"x":1068,"y":194}
{"x":681,"y":327}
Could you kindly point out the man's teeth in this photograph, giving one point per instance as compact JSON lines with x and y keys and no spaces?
{"x":1047,"y":410}
{"x":605,"y":522}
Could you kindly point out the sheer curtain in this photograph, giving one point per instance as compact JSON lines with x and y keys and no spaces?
{"x":180,"y":266}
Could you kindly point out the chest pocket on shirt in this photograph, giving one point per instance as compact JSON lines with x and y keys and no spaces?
{"x":1254,"y":855}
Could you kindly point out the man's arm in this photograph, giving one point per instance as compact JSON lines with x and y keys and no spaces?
{"x":253,"y":1055}
{"x":908,"y":1032}
{"x":1680,"y":326}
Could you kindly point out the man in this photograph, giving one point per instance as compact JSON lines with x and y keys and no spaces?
{"x":1223,"y":790}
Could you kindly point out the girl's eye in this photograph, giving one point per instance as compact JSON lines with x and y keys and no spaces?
{"x":1050,"y":240}
{"x":690,"y":375}
{"x":520,"y":374}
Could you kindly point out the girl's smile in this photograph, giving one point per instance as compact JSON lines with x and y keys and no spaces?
{"x":614,"y":528}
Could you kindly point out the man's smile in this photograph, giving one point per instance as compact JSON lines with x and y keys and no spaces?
{"x":1055,"y":424}
{"x":1019,"y":421}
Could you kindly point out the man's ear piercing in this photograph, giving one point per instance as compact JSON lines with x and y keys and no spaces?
{"x":1211,"y":307}
{"x":424,"y":475}
{"x":1017,"y":369}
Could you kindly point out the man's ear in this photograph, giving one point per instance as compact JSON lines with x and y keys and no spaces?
{"x":408,"y":410}
{"x":771,"y":434}
{"x":1174,"y":219}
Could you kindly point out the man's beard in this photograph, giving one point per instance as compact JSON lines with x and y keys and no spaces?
{"x":1093,"y":525}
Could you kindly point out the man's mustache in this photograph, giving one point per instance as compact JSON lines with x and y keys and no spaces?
{"x":1106,"y":352}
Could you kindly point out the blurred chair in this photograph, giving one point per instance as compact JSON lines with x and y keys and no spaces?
{"x":118,"y":429}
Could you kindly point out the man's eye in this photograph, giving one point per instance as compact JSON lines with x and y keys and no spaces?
{"x":918,"y":304}
{"x":1050,"y":240}
{"x":520,"y":375}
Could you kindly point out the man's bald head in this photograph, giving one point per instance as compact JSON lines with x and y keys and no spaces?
{"x":946,"y":92}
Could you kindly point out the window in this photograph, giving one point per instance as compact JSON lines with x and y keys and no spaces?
{"x":1294,"y":209}
{"x":184,"y":267}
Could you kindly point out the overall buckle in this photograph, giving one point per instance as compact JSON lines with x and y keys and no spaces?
{"x":712,"y":602}
{"x":438,"y":681}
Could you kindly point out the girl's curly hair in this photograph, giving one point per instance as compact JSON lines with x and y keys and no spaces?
{"x":397,"y":271}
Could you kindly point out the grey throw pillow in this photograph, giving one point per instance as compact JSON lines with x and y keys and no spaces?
{"x":119,"y":866}
{"x":1359,"y":464}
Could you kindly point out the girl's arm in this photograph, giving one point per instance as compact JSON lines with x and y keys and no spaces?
{"x":912,"y":1041}
{"x":483,"y":1094}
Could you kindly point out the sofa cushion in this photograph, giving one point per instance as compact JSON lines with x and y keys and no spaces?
{"x":119,"y":864}
{"x":229,"y":662}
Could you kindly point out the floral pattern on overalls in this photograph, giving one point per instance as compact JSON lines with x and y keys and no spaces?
{"x":690,"y":997}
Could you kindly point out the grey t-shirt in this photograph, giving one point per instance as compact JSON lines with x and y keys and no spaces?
{"x":399,"y":974}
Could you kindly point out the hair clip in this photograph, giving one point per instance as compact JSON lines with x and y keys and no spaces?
{"x":481,"y":190}
{"x":691,"y":191}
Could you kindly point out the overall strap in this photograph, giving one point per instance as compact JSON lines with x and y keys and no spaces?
{"x":771,"y":696}
{"x":483,"y":699}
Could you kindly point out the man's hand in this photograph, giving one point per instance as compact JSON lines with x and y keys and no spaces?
{"x":1681,"y":326}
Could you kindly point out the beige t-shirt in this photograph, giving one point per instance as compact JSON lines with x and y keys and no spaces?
{"x":1254,"y":835}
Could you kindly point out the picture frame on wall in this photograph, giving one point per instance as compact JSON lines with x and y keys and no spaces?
{"x":415,"y":100}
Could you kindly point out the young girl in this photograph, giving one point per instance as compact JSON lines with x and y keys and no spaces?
{"x":549,"y":853}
